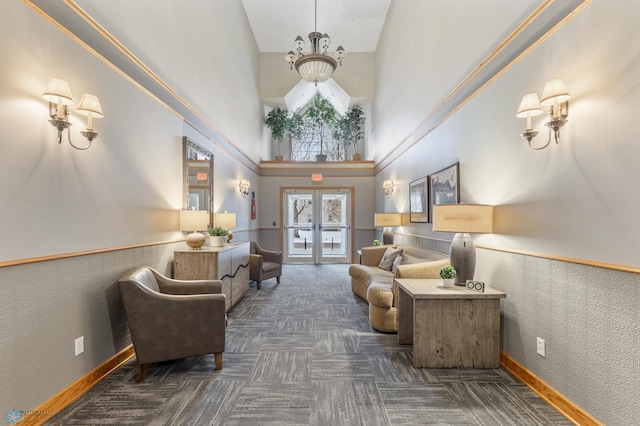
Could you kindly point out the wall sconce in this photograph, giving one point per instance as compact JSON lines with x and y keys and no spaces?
{"x":316,"y":178}
{"x":58,"y":93}
{"x":556,"y":96}
{"x":388,"y":188}
{"x":243,"y":187}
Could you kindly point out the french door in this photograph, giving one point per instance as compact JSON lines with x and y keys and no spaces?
{"x":317,"y":225}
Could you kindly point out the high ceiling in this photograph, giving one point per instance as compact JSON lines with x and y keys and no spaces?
{"x":354,"y":24}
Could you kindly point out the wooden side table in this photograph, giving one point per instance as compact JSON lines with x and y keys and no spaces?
{"x":449,"y":327}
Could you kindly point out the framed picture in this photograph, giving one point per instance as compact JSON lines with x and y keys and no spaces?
{"x":443,"y":186}
{"x":419,"y":200}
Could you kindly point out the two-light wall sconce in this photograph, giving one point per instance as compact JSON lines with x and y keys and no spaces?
{"x":556,"y":96}
{"x":388,"y":188}
{"x":58,"y":93}
{"x":243,"y":187}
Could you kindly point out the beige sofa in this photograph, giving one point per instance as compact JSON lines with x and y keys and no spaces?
{"x":375,"y":285}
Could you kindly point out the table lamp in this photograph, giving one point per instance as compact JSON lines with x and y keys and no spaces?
{"x":463,"y":219}
{"x":194,"y":221}
{"x":387,"y":220}
{"x":226,"y":220}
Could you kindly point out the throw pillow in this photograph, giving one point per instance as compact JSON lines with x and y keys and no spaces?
{"x":397,"y":261}
{"x":389,"y":256}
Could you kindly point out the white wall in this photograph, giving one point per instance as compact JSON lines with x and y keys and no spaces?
{"x":575,"y":199}
{"x":205,"y":50}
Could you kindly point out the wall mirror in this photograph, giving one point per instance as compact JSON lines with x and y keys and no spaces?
{"x":197,"y":175}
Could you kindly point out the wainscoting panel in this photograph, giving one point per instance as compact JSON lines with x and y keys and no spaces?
{"x":45,"y":306}
{"x":589,"y":318}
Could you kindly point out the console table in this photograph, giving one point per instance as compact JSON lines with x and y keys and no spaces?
{"x":449,"y":327}
{"x":230,"y":264}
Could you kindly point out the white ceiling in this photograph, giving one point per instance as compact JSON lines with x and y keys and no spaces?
{"x":354,"y":24}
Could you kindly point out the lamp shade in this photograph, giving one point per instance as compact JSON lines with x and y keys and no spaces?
{"x":226,"y":220}
{"x":58,"y":90}
{"x":463,"y":218}
{"x":89,"y":104}
{"x":530,"y":105}
{"x":387,"y":219}
{"x":554,"y":90}
{"x":194,"y":220}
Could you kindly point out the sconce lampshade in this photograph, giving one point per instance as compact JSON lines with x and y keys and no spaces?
{"x":463,"y":219}
{"x":194,"y":220}
{"x":529,"y":106}
{"x":89,"y":104}
{"x":58,"y":90}
{"x":554,"y":90}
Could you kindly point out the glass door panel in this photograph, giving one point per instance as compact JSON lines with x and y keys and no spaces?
{"x":317,"y":228}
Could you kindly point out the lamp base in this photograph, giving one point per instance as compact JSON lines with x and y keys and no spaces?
{"x":387,"y":236}
{"x":195,"y":240}
{"x":462,"y":255}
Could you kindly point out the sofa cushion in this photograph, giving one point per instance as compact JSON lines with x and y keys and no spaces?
{"x":367,"y":274}
{"x":380,"y":294}
{"x":389,"y":256}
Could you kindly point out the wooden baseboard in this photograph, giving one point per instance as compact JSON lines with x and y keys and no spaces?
{"x":554,"y":398}
{"x":58,"y":402}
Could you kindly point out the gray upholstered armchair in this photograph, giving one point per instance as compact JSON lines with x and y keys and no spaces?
{"x":171,"y":319}
{"x":264,"y":264}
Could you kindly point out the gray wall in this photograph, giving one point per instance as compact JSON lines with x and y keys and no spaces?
{"x":577,"y":199}
{"x":124,"y":191}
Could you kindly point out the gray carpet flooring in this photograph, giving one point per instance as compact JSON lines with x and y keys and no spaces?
{"x":303,"y":353}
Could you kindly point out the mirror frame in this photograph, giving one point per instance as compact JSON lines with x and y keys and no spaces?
{"x":188,"y":144}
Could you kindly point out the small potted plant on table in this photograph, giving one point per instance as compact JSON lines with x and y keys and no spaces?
{"x":447,"y":273}
{"x":218,"y":236}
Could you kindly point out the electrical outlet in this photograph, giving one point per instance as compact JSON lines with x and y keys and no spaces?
{"x":79,"y":345}
{"x":542,"y":347}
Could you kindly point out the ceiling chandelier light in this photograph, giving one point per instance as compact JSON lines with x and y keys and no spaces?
{"x":317,"y":66}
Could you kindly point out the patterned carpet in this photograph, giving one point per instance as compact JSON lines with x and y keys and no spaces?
{"x":303,"y":353}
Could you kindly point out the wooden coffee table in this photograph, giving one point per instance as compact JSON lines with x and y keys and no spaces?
{"x":449,"y":327}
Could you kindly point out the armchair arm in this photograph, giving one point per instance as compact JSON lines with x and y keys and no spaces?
{"x":255,"y":265}
{"x":171,"y":286}
{"x":372,"y":255}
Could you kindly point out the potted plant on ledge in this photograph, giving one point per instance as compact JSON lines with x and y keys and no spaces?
{"x":218,"y":236}
{"x":322,"y":117}
{"x":277,"y":121}
{"x":447,"y":273}
{"x":350,"y":130}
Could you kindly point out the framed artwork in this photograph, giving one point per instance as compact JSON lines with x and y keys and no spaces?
{"x":419,"y":200}
{"x":443,"y":186}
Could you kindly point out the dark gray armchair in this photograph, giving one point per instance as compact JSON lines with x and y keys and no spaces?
{"x":264,"y":264}
{"x":171,"y":319}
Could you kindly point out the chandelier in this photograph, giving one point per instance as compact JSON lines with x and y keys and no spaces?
{"x":317,"y":66}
